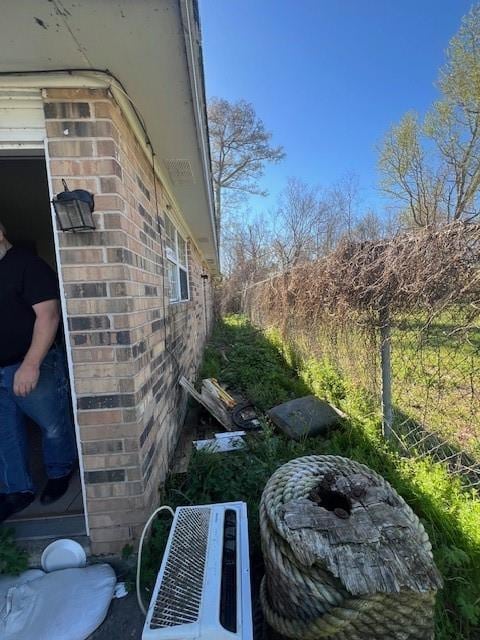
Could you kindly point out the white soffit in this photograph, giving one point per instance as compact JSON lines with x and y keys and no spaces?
{"x":141,"y":42}
{"x":21,"y":119}
{"x":180,"y":171}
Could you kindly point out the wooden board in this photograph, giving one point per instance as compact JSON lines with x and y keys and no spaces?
{"x":211,"y":403}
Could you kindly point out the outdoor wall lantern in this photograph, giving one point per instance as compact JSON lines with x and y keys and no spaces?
{"x":74,"y":209}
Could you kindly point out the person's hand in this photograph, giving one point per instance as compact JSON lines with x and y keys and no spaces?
{"x":25,"y":379}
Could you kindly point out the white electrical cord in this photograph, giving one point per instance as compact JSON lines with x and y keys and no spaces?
{"x":139,"y":559}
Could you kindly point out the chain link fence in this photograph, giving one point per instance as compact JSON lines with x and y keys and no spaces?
{"x":435,"y":373}
{"x":399,"y":321}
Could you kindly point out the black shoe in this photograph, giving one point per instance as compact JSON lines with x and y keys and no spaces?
{"x":15,"y":502}
{"x":55,"y":489}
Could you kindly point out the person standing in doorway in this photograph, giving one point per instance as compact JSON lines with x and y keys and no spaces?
{"x":33,"y":380}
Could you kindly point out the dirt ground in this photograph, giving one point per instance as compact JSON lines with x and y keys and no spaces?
{"x":124,"y":621}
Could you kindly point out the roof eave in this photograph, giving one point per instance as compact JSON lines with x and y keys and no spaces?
{"x":194,"y":55}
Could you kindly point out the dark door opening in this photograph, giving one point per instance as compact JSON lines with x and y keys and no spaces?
{"x":25,"y":212}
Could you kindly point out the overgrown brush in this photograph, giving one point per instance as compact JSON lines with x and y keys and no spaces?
{"x":423,"y":287}
{"x":450,"y":515}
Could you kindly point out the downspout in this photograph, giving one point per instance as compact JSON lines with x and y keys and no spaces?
{"x":205,"y":310}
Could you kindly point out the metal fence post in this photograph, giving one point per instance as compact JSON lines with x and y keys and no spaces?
{"x":243,"y":300}
{"x":385,"y":357}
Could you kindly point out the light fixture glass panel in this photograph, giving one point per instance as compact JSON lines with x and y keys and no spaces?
{"x":74,"y":214}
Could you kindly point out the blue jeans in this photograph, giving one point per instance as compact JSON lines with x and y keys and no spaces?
{"x":48,"y":405}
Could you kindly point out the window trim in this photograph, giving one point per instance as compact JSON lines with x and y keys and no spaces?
{"x":174,"y":258}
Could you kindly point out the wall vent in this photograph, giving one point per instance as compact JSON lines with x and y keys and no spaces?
{"x":180,"y":171}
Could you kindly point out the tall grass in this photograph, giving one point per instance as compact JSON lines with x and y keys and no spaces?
{"x":269,"y":371}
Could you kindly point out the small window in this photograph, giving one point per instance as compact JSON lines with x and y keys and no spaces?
{"x":170,"y":232}
{"x":182,"y":251}
{"x":177,"y":268}
{"x":172,"y":281}
{"x":183,"y":284}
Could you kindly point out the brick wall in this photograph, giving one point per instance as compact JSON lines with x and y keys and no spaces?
{"x":129,"y":345}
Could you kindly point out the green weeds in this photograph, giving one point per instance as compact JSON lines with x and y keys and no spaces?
{"x":13,"y":560}
{"x":265,"y":369}
{"x":250,"y":364}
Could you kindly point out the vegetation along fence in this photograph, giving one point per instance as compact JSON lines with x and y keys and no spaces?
{"x":398,"y":322}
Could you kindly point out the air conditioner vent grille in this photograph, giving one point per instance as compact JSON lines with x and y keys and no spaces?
{"x":180,"y":594}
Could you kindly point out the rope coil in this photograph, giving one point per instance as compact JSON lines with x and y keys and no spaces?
{"x":360,"y":571}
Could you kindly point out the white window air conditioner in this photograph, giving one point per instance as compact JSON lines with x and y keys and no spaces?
{"x":203,"y":586}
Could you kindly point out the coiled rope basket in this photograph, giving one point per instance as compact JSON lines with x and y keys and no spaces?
{"x":345,"y":556}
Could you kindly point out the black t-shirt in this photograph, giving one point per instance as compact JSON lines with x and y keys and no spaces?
{"x":25,"y":280}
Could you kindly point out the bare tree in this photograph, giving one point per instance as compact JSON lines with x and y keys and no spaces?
{"x":300,"y":224}
{"x":248,"y":243}
{"x":367,"y":228}
{"x":432,"y":168}
{"x":307,"y":224}
{"x":240,"y":148}
{"x":342,"y":202}
{"x":248,"y":259}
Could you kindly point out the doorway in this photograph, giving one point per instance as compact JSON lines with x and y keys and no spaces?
{"x":26,"y":213}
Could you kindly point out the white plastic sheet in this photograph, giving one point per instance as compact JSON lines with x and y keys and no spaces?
{"x":62,"y":605}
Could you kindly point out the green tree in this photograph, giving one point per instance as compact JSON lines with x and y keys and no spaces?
{"x":431,"y":168}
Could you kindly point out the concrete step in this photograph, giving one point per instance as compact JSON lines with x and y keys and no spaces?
{"x":64,"y":526}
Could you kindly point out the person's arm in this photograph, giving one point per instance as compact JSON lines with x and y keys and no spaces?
{"x":44,"y":332}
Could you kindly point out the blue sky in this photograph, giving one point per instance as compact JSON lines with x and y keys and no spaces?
{"x":328,"y":78}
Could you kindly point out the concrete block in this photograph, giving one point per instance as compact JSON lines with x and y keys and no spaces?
{"x":307,"y":416}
